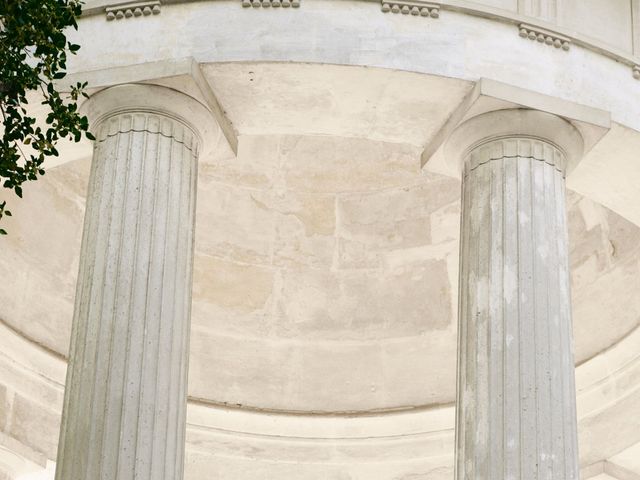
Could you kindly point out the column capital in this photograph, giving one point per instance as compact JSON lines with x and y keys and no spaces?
{"x":514,"y":124}
{"x":154,"y":100}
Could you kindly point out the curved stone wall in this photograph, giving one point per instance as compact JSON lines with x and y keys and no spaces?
{"x":612,"y":23}
{"x":225,"y":442}
{"x":467,"y":42}
{"x":325,"y":276}
{"x":323,"y":338}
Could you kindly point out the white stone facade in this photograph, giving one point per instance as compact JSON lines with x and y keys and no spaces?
{"x":353,"y":163}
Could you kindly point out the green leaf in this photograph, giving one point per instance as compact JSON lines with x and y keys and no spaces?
{"x":34,"y":50}
{"x":3,"y":231}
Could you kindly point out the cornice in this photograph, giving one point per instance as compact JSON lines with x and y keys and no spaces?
{"x":571,"y":36}
{"x":526,"y":26}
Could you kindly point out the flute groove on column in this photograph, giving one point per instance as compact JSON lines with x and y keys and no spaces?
{"x":126,"y":384}
{"x":516,"y":416}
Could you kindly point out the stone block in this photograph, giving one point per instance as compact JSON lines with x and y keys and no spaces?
{"x":35,"y":425}
{"x":232,"y":286}
{"x":331,"y":164}
{"x":235,"y":223}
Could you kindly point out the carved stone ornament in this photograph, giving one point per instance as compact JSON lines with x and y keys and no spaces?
{"x":636,"y":72}
{"x":544,"y":36}
{"x":271,"y":3}
{"x":133,"y":9}
{"x":423,"y":9}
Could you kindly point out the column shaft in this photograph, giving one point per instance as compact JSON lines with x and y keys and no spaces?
{"x":516,"y":415}
{"x":125,"y":399}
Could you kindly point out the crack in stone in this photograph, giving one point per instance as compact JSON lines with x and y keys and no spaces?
{"x":516,"y":156}
{"x":119,"y":132}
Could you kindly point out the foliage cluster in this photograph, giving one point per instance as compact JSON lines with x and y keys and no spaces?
{"x":33,"y":57}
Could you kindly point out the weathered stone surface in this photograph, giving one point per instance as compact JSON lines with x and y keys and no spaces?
{"x":28,"y":381}
{"x":225,"y":287}
{"x":237,"y":223}
{"x":305,"y":229}
{"x":441,"y":473}
{"x":255,"y":166}
{"x":364,"y":304}
{"x":248,"y":371}
{"x":370,"y":225}
{"x":345,"y":102}
{"x":267,"y":257}
{"x":622,"y":280}
{"x":604,"y":267}
{"x":330,"y":164}
{"x":41,"y":256}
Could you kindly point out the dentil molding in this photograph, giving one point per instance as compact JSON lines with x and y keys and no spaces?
{"x":271,"y":3}
{"x":417,"y":7}
{"x":528,"y":12}
{"x":544,"y":36}
{"x":133,"y":9}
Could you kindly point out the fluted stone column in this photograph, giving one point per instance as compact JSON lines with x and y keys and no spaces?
{"x":516,"y":416}
{"x":125,"y":398}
